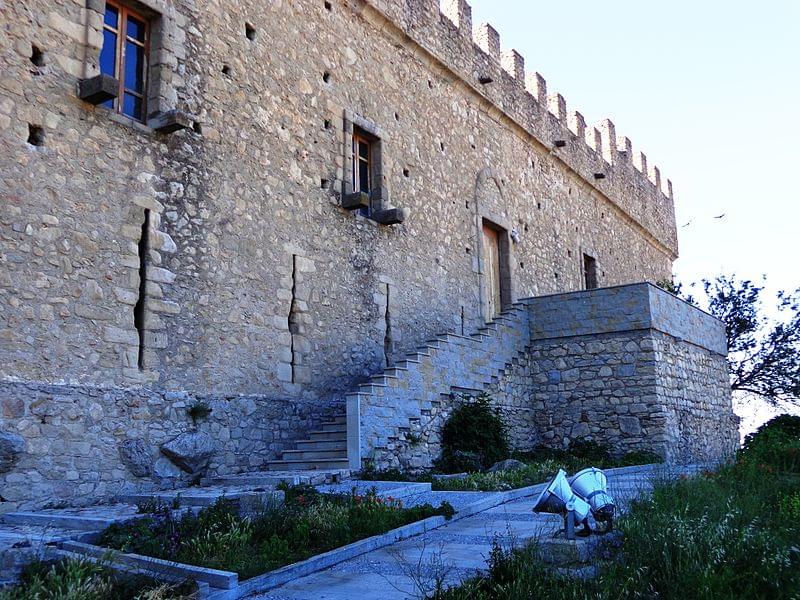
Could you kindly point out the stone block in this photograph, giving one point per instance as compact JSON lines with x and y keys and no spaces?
{"x":630,"y":426}
{"x":391,"y":216}
{"x":99,"y":89}
{"x":12,"y":445}
{"x":355,"y":201}
{"x":169,"y":122}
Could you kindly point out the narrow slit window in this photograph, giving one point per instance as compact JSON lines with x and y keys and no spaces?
{"x":124,"y":56}
{"x":362,"y":164}
{"x":590,"y":272}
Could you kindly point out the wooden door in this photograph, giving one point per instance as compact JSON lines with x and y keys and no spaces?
{"x":491,"y":271}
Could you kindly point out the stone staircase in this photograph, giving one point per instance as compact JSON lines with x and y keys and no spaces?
{"x":408,"y":396}
{"x":324,"y":450}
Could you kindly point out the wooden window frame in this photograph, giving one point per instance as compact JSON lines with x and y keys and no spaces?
{"x":359,"y":138}
{"x":124,"y":11}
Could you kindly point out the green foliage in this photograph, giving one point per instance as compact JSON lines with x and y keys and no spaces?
{"x":775,"y":445}
{"x":307,"y":523}
{"x":541,"y":465}
{"x":638,"y":457}
{"x":789,"y":506}
{"x":73,"y":579}
{"x":199,"y":410}
{"x":712,"y":537}
{"x":473,"y":435}
{"x":151,"y":505}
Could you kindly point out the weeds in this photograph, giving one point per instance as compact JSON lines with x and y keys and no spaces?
{"x":308,"y":523}
{"x":716,"y":536}
{"x":73,"y":579}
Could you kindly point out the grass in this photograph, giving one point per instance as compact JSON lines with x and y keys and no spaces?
{"x":540,"y":466}
{"x":75,"y":579}
{"x":307,"y":523}
{"x":730,"y":534}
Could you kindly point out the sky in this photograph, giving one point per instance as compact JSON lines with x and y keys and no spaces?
{"x":708,"y":90}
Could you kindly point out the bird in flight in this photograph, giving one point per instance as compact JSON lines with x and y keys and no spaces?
{"x":722,"y":216}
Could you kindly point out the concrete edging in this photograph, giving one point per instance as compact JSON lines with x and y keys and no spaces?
{"x":225,"y":585}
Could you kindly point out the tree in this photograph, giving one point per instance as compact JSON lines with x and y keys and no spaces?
{"x":764,"y":353}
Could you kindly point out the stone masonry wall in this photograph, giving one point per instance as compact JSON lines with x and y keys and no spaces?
{"x":642,"y":390}
{"x":84,"y":443}
{"x":694,"y":391}
{"x":600,"y":388}
{"x":632,"y":367}
{"x":257,"y":281}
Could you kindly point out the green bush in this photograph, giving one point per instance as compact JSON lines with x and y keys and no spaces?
{"x":596,"y":453}
{"x":774,"y":445}
{"x":74,"y":579}
{"x":638,"y":457}
{"x":473,"y":437}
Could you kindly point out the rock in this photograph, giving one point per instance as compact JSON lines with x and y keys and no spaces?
{"x":191,"y":451}
{"x":11,"y":446}
{"x":165,"y":469}
{"x":630,"y":425}
{"x":136,"y":457}
{"x":580,"y":430}
{"x":506,"y":465}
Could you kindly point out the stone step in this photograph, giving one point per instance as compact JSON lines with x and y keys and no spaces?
{"x":206,"y":496}
{"x":308,"y":465}
{"x":274,"y":477}
{"x":341,"y":419}
{"x":74,"y":521}
{"x":322,"y":444}
{"x":328,"y":436}
{"x":314,"y":454}
{"x":334,"y":427}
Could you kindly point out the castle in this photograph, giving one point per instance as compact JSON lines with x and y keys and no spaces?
{"x":322,"y":221}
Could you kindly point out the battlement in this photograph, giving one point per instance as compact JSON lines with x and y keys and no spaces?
{"x":606,"y":160}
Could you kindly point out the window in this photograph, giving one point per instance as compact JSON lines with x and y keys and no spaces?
{"x":362,"y":163}
{"x":126,"y":40}
{"x":590,"y":272}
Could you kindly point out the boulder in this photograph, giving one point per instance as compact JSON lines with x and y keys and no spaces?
{"x":191,"y":451}
{"x":506,"y":465}
{"x":136,"y":456}
{"x":11,"y":446}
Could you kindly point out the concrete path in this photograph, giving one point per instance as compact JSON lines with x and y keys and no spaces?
{"x":453,"y":553}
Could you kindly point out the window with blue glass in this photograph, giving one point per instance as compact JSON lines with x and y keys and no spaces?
{"x":126,"y":38}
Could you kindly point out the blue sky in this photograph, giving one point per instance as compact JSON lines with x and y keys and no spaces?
{"x":709,"y":90}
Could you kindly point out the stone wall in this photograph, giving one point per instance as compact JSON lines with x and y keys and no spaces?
{"x":632,"y":367}
{"x":84,"y":443}
{"x":257,"y":280}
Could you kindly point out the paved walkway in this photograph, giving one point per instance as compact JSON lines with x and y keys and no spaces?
{"x":453,"y":553}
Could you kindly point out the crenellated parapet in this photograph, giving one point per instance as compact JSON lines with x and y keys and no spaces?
{"x":595,"y":153}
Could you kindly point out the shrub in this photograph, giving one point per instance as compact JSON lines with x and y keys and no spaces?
{"x":776,"y":445}
{"x":789,"y":506}
{"x":473,"y":437}
{"x":199,"y":410}
{"x":639,"y":457}
{"x":76,"y":579}
{"x":596,"y":453}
